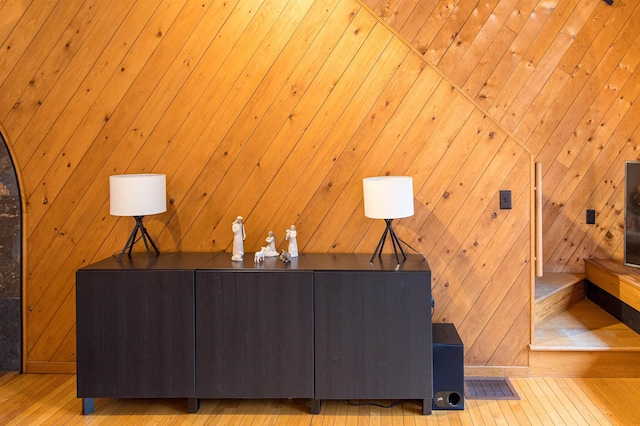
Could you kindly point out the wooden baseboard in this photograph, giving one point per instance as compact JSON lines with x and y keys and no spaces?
{"x":584,"y":364}
{"x":50,"y":367}
{"x":496,"y":371}
{"x":475,"y":371}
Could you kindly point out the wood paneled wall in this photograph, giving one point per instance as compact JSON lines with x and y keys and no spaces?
{"x":563,"y":77}
{"x":270,"y":109}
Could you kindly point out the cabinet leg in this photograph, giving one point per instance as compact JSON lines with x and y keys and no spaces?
{"x":88,"y":406}
{"x":194,"y":405}
{"x":426,"y":406}
{"x":316,"y":405}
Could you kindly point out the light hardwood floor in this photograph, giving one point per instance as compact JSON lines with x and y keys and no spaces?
{"x":35,"y":399}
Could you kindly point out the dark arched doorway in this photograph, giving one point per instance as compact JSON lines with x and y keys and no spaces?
{"x":10,"y":264}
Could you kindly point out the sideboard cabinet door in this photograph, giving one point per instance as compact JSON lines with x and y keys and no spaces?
{"x":372,"y":335}
{"x":254,"y":334}
{"x":135,"y":334}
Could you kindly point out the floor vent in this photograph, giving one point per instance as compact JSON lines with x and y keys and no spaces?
{"x":489,"y":388}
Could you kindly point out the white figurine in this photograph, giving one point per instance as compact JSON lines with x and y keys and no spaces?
{"x":259,"y":256}
{"x":293,"y":243}
{"x":270,"y":249}
{"x":238,"y":240}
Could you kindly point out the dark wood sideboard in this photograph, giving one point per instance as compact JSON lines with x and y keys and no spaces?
{"x":197,"y":325}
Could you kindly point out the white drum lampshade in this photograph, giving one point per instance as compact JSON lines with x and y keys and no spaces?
{"x":138,"y":195}
{"x":388,"y":198}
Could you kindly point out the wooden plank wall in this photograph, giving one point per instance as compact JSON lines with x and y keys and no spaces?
{"x":562,"y":76}
{"x":270,"y":109}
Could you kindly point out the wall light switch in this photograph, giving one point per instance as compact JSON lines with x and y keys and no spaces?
{"x":505,"y":200}
{"x":591,"y":217}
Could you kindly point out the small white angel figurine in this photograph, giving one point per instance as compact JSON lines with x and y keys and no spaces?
{"x":293,"y":243}
{"x":238,"y":240}
{"x":270,"y":249}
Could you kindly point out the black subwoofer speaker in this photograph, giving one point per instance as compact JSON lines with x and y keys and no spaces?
{"x":448,"y":368}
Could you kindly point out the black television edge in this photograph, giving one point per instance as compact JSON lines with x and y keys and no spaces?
{"x":632,"y":214}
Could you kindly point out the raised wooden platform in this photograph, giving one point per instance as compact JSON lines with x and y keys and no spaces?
{"x":584,"y":341}
{"x":585,"y":327}
{"x":622,"y":282}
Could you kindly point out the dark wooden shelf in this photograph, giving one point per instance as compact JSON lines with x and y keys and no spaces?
{"x":198,"y":325}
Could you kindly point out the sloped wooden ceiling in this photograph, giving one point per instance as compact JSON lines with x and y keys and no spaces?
{"x":562,"y":75}
{"x":270,"y":109}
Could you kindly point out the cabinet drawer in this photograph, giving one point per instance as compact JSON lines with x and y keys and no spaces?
{"x":135,"y":334}
{"x":254,"y":334}
{"x":372,"y":335}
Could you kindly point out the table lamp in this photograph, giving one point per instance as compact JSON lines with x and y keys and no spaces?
{"x":388,"y":198}
{"x":138,"y":195}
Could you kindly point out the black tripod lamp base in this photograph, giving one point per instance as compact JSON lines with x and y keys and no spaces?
{"x":395,"y":241}
{"x":132,"y":239}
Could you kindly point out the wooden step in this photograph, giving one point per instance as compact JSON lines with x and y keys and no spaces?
{"x":556,"y":292}
{"x":584,"y":341}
